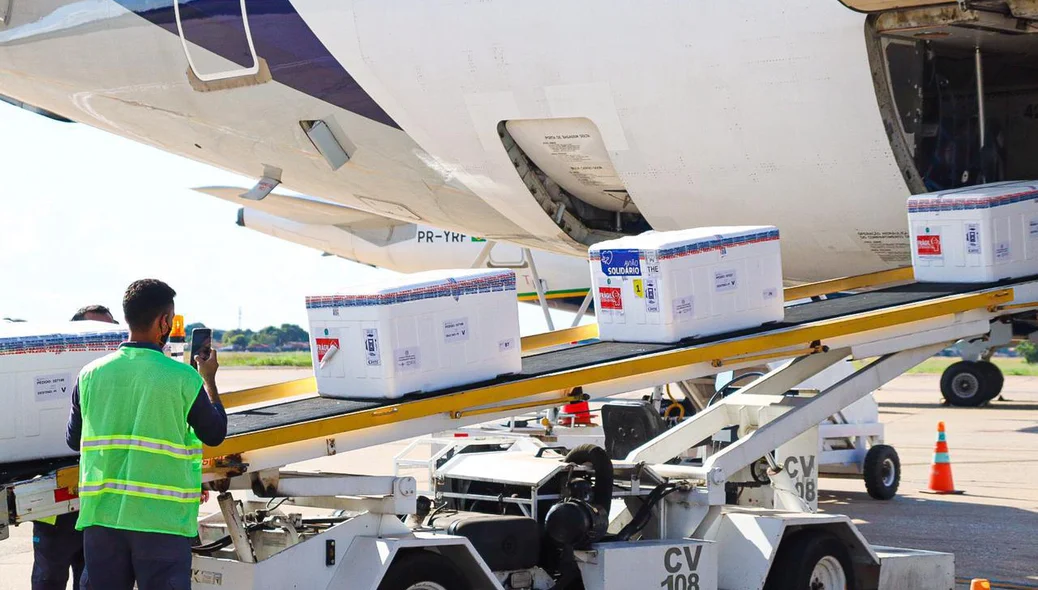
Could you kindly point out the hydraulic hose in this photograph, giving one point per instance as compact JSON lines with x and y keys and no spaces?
{"x":603,"y":466}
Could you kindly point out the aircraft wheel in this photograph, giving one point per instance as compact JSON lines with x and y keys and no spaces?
{"x":882,"y":472}
{"x":966,"y":384}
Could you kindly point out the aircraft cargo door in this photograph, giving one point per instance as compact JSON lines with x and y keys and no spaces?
{"x":216,"y":38}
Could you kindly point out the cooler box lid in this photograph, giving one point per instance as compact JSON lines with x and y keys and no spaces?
{"x":54,"y":338}
{"x":983,"y":196}
{"x":418,"y":286}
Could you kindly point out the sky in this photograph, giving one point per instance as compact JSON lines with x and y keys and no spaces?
{"x":83,"y":213}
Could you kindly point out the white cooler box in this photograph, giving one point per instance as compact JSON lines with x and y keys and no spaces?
{"x":978,"y":234}
{"x":39,"y":365}
{"x":420,"y":332}
{"x":667,"y":286}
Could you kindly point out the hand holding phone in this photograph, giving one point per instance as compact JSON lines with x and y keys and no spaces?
{"x":201,"y":344}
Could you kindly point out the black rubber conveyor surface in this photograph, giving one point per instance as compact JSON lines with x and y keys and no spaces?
{"x":603,"y":352}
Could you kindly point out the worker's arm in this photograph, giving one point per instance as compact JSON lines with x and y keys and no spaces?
{"x":207,"y":415}
{"x":74,"y":428}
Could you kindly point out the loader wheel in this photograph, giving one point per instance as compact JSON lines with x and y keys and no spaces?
{"x":995,"y":379}
{"x":423,"y":570}
{"x":965,"y":384}
{"x":811,"y":560}
{"x":882,"y":472}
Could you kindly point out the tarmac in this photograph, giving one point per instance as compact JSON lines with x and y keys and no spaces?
{"x":992,"y":529}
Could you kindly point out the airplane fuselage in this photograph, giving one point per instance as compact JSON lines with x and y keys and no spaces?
{"x":702,"y":113}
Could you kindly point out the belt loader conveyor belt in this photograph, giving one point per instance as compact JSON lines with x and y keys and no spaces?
{"x":575,"y":366}
{"x":598,"y":353}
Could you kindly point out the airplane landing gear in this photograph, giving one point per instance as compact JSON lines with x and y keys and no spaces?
{"x":971,"y":383}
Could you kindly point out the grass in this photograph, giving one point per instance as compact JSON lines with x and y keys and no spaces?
{"x":265,"y":359}
{"x":1009,"y":366}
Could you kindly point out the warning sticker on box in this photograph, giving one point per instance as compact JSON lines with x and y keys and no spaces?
{"x":53,"y":387}
{"x":371,"y":349}
{"x":1002,"y":252}
{"x":621,"y":263}
{"x":972,"y":238}
{"x":683,"y":308}
{"x":724,"y":280}
{"x":324,"y":344}
{"x":456,"y":330}
{"x":928,"y":245}
{"x":652,"y":296}
{"x":610,"y":298}
{"x":408,"y":359}
{"x":639,"y":288}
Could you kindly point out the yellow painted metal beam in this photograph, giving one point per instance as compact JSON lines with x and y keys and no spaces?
{"x":558,"y":337}
{"x":564,"y":381}
{"x":875,"y":279}
{"x":266,"y":393}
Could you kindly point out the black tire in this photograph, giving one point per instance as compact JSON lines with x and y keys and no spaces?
{"x":423,"y":570}
{"x":800,"y":553}
{"x":964,"y":384}
{"x":995,"y":381}
{"x":882,"y":472}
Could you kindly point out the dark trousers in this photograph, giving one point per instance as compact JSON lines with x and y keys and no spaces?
{"x":56,"y":549}
{"x":115,"y":559}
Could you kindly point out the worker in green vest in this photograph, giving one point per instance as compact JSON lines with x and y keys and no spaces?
{"x":57,"y":547}
{"x":139,"y":420}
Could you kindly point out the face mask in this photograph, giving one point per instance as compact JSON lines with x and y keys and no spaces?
{"x":165,"y":337}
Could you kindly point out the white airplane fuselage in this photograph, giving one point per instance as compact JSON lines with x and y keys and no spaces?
{"x":710,"y":113}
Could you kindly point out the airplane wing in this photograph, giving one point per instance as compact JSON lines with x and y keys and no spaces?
{"x":301,"y":210}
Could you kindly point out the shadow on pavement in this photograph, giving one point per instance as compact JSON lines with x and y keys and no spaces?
{"x":995,"y":542}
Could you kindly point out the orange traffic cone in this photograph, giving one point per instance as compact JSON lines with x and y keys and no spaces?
{"x":940,"y":471}
{"x":980,"y":584}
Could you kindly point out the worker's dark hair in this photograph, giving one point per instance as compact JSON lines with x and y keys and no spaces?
{"x":83,"y":311}
{"x":145,"y":300}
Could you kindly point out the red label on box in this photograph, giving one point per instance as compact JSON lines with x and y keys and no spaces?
{"x":928,"y":245}
{"x":610,"y":298}
{"x":323,"y":344}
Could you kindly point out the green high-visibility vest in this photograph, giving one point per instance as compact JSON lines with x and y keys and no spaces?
{"x":140,"y":466}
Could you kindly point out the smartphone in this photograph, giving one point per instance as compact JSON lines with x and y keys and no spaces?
{"x":201,"y":344}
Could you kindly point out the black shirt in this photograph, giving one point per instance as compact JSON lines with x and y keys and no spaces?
{"x":209,"y":421}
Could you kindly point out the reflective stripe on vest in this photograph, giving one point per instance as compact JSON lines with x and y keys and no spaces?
{"x":135,"y":488}
{"x":140,"y":443}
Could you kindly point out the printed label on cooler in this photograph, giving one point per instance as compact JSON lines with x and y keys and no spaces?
{"x":972,"y":238}
{"x":323,"y":344}
{"x":1002,"y":252}
{"x":506,"y":345}
{"x":652,"y":296}
{"x":769,"y":293}
{"x":652,"y":263}
{"x":724,"y":280}
{"x":371,"y":349}
{"x":683,"y":308}
{"x":408,"y":359}
{"x":610,"y":298}
{"x":1032,"y":228}
{"x":456,"y":330}
{"x":928,"y":245}
{"x":52,"y":387}
{"x":621,"y":263}
{"x":639,"y":288}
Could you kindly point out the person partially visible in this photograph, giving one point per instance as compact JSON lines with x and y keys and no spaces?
{"x":94,"y":313}
{"x":139,"y":420}
{"x":57,"y":547}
